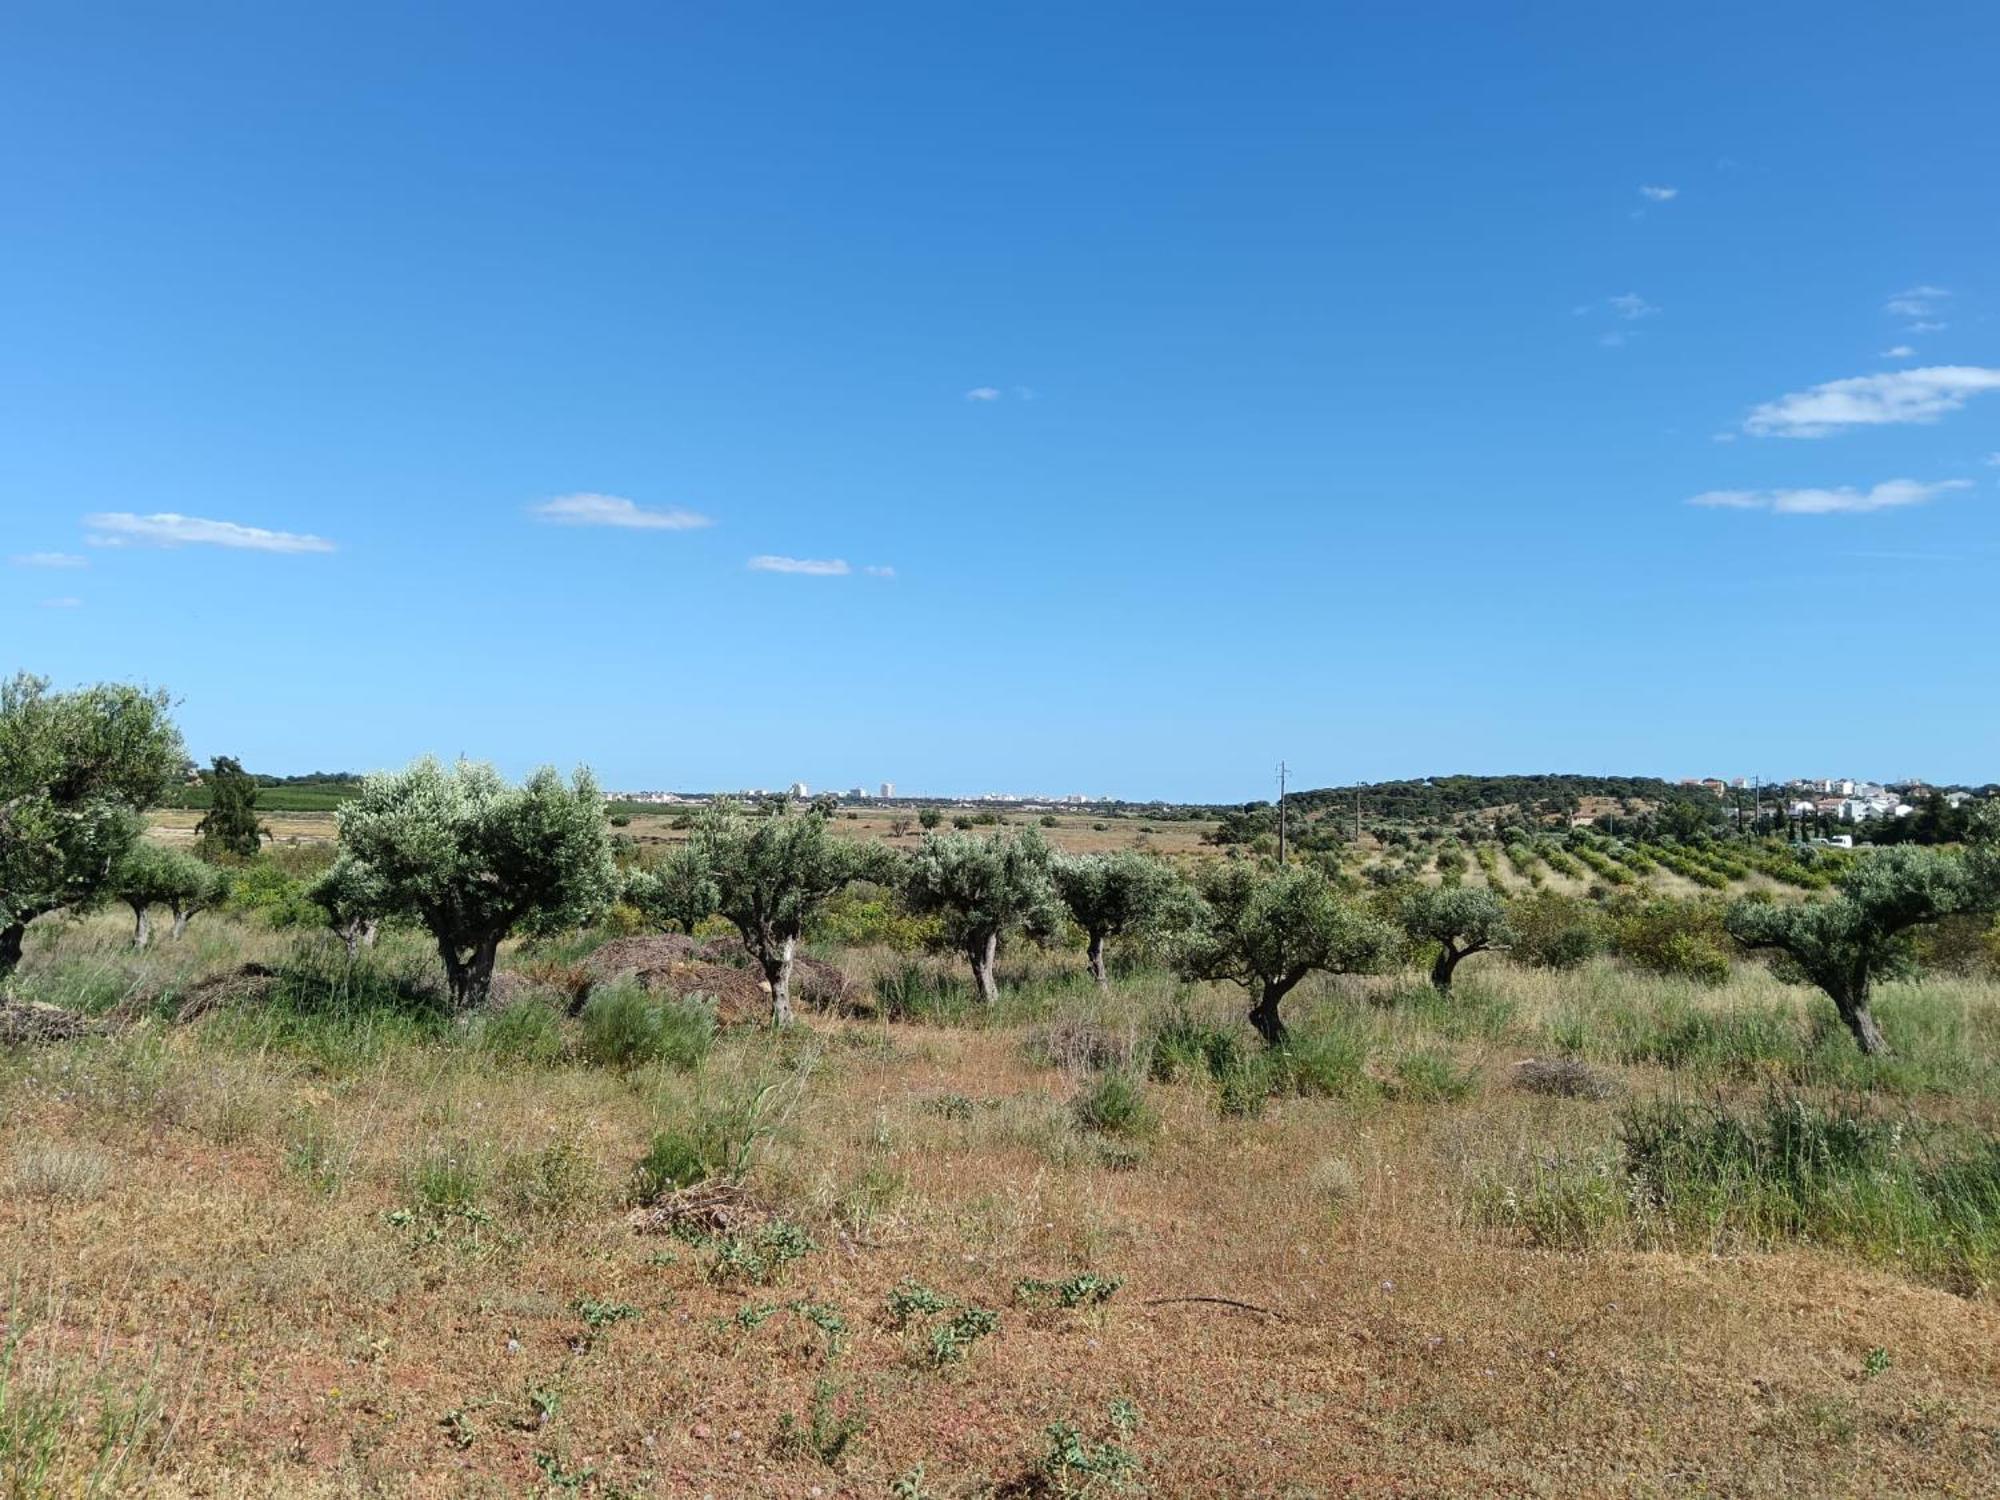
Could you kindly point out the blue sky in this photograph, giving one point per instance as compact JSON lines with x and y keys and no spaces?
{"x":1215,"y":384}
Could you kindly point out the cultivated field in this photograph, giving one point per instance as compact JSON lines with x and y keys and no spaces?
{"x":300,"y":1234}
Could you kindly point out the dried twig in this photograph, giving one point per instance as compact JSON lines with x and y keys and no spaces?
{"x":1219,"y":1301}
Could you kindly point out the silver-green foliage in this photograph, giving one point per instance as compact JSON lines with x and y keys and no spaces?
{"x":1844,"y":944}
{"x":982,"y":889}
{"x":1111,"y":895}
{"x":772,"y":877}
{"x":152,"y":875}
{"x":76,"y":770}
{"x":474,"y":858}
{"x":1267,"y":929}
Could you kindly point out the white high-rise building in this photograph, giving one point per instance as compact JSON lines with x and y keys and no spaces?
{"x":888,"y":789}
{"x":800,"y":789}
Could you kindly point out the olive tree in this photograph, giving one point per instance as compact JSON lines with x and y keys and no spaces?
{"x":1109,"y":895}
{"x":981,"y":890}
{"x":773,"y":876}
{"x":354,"y":898}
{"x":1461,"y":920}
{"x":76,"y":770}
{"x":472,"y":858}
{"x":679,"y":891}
{"x":151,"y":875}
{"x":1267,"y":929}
{"x":1844,"y":944}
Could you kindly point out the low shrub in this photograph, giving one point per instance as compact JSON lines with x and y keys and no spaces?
{"x":1323,"y":1062}
{"x":915,"y":991}
{"x":1830,"y":1173}
{"x":526,"y":1032}
{"x":1678,"y":939}
{"x":1116,"y":1104}
{"x":1552,"y":931}
{"x":557,"y":1182}
{"x":624,"y":1026}
{"x":1433,"y":1077}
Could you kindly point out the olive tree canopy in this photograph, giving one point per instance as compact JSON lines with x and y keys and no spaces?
{"x":771,"y":878}
{"x":680,"y":891}
{"x":1461,"y":919}
{"x":1109,"y":895}
{"x":1844,"y":944}
{"x":473,"y":858}
{"x":353,"y":897}
{"x":981,"y":890}
{"x":152,"y":875}
{"x":1267,"y":929}
{"x":76,"y":770}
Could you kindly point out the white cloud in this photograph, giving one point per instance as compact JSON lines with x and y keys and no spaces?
{"x":1929,"y":327}
{"x":1901,"y":351}
{"x":48,"y":560}
{"x":1660,"y":194}
{"x":614,"y":510}
{"x":68,"y":601}
{"x":1631,"y":306}
{"x":879,"y":570}
{"x":123,"y":529}
{"x":816,"y":567}
{"x":1921,"y":395}
{"x":1889,"y":495}
{"x":1916,"y":301}
{"x":983,"y":393}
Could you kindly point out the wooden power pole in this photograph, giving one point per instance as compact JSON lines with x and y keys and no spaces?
{"x":1281,"y":812}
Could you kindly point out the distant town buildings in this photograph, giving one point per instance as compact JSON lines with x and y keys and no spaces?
{"x":801,"y":790}
{"x":888,"y":790}
{"x":1838,"y":797}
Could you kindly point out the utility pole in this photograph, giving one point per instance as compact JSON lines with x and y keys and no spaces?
{"x":1281,"y":812}
{"x":1357,"y":815}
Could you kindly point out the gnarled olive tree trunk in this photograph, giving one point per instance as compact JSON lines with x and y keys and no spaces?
{"x":1097,"y":969}
{"x":1264,"y":1014}
{"x":1850,"y":998}
{"x":1450,"y":956}
{"x":469,"y":974}
{"x":142,"y":926}
{"x":981,"y":954}
{"x":777,"y":966}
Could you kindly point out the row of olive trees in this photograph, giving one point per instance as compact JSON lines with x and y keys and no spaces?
{"x":473,"y":859}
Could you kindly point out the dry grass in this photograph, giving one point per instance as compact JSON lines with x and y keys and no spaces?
{"x":243,"y":1264}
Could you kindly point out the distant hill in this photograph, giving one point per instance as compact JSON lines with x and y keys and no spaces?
{"x":1436,"y":798}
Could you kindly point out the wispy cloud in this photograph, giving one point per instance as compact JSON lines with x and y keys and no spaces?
{"x":48,"y":560}
{"x":1901,"y":351}
{"x":1899,"y":397}
{"x":830,"y":567}
{"x":1631,"y":306}
{"x":1660,"y":194}
{"x":1916,"y":302}
{"x":121,"y":528}
{"x":1891,"y":494}
{"x":67,"y":601}
{"x":615,"y":510}
{"x":983,"y":393}
{"x":879,"y":570}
